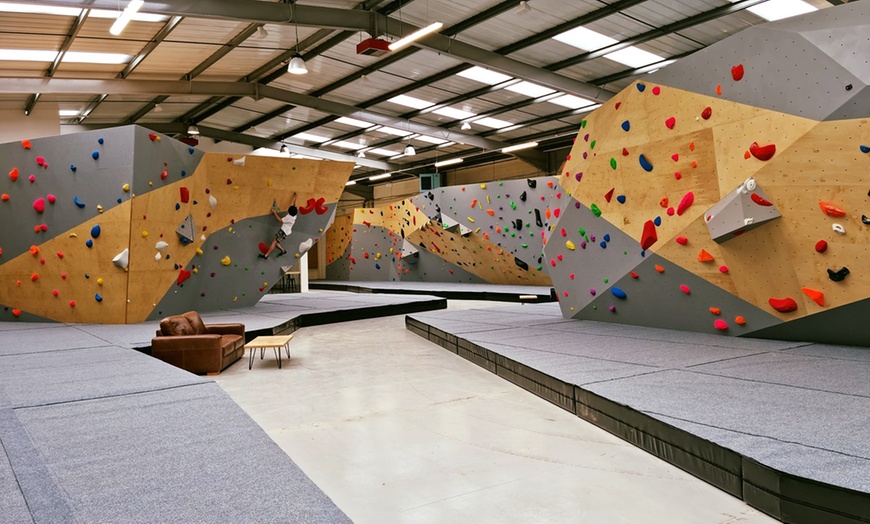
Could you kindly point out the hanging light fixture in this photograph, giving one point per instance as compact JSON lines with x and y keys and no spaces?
{"x":361,"y":154}
{"x":409,"y":149}
{"x":465,"y":126}
{"x":192,"y":129}
{"x":297,"y":64}
{"x":261,"y":33}
{"x":283,"y":149}
{"x":158,"y":108}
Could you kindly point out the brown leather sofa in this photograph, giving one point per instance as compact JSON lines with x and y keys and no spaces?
{"x":185,"y":342}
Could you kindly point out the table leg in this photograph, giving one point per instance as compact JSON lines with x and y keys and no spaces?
{"x":251,"y":358}
{"x":287,"y":347}
{"x":278,"y":355}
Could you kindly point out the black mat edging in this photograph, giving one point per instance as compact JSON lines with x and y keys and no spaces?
{"x":443,"y":293}
{"x":788,"y":498}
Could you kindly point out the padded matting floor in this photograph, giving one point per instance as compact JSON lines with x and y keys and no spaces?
{"x":800,"y":408}
{"x":93,"y":431}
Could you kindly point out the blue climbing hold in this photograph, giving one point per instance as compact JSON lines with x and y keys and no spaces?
{"x":644,"y":163}
{"x":606,"y":237}
{"x":618,"y":293}
{"x":95,"y":231}
{"x":73,"y":168}
{"x":626,"y":126}
{"x":621,"y":199}
{"x":190,"y":150}
{"x":98,"y":298}
{"x":183,"y":173}
{"x":603,"y":244}
{"x":641,"y":87}
{"x":177,"y":206}
{"x":78,"y":202}
{"x":100,"y":140}
{"x":89,"y":243}
{"x":119,"y":200}
{"x":95,"y":155}
{"x":657,"y":221}
{"x":377,"y":266}
{"x":865,"y":149}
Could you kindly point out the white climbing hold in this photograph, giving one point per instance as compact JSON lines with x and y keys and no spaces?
{"x":212,"y":201}
{"x":748,"y":220}
{"x":161,"y":245}
{"x":750,"y":184}
{"x":158,"y":256}
{"x":305,"y":246}
{"x":240,"y":161}
{"x":839,"y":228}
{"x":122,"y":259}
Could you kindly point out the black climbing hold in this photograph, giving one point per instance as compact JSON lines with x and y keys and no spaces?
{"x":865,"y":219}
{"x":518,"y":224}
{"x":520,"y":264}
{"x":403,"y":232}
{"x":430,"y":196}
{"x":848,"y":87}
{"x":838,"y":275}
{"x":538,"y":220}
{"x":532,"y":183}
{"x":523,"y":196}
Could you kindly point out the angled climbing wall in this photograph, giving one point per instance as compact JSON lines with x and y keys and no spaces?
{"x":730,"y":191}
{"x":125,"y":225}
{"x":478,"y":233}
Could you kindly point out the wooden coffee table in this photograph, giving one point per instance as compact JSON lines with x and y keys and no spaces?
{"x":275,"y":342}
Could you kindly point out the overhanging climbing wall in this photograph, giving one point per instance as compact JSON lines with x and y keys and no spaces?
{"x":125,"y":225}
{"x":491,"y":232}
{"x":729,"y":192}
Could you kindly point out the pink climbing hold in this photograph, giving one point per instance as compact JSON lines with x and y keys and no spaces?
{"x":563,"y":232}
{"x":720,"y":324}
{"x":687,"y":201}
{"x":32,"y":178}
{"x":571,"y":276}
{"x":677,"y":175}
{"x":649,"y":235}
{"x":685,"y":289}
{"x":40,"y":160}
{"x":723,"y":269}
{"x":39,"y":205}
{"x":51,"y":198}
{"x":670,"y":122}
{"x":72,"y":303}
{"x":671,"y":211}
{"x":656,"y":90}
{"x":675,"y":157}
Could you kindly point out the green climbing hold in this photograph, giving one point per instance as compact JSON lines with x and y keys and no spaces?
{"x":606,"y":280}
{"x":582,"y":232}
{"x":613,"y":163}
{"x":595,"y":210}
{"x":583,"y":123}
{"x":592,"y":145}
{"x":513,"y":205}
{"x":524,"y":246}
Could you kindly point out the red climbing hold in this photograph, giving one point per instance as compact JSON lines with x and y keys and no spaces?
{"x":737,"y":72}
{"x":760,"y":201}
{"x":704,"y":256}
{"x":649,"y":236}
{"x":16,"y":312}
{"x":677,"y":175}
{"x":13,"y":175}
{"x":308,"y":207}
{"x":152,"y":136}
{"x":624,"y":152}
{"x":633,"y":274}
{"x":263,"y":248}
{"x":617,"y":105}
{"x":720,"y":324}
{"x":719,"y":89}
{"x":783,"y":305}
{"x":687,"y":201}
{"x":656,"y":90}
{"x":707,"y":113}
{"x":182,"y":276}
{"x":821,"y":246}
{"x":762,"y":152}
{"x":185,"y":195}
{"x":682,"y":241}
{"x":675,"y":157}
{"x":817,"y":296}
{"x":670,"y":122}
{"x":609,"y":195}
{"x":831,"y":210}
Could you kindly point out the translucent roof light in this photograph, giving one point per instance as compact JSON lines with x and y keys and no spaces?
{"x":451,"y":112}
{"x":529,"y":89}
{"x":33,"y":55}
{"x":779,"y":9}
{"x":494,"y":123}
{"x":410,"y":101}
{"x":484,"y":76}
{"x":571,"y":101}
{"x":352,"y":122}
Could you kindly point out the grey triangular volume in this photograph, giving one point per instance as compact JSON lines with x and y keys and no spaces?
{"x":743,"y":209}
{"x":186,"y":230}
{"x":841,"y":325}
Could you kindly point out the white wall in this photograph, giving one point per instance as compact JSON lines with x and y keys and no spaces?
{"x":14,"y":126}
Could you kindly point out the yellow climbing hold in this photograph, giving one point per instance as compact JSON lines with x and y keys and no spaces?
{"x":269,"y":182}
{"x":99,"y":208}
{"x":195,"y":270}
{"x":150,"y":183}
{"x":199,"y":251}
{"x":226,"y":260}
{"x":570,"y":245}
{"x":144,"y":234}
{"x":471,"y":220}
{"x":100,"y":281}
{"x":235,"y":299}
{"x":482,"y":186}
{"x":126,"y":187}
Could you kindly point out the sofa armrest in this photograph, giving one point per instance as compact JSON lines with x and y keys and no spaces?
{"x":226,"y":329}
{"x":185,"y":342}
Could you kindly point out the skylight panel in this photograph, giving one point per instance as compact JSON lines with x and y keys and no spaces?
{"x":310,"y":137}
{"x":39,"y":9}
{"x":430,"y":139}
{"x":584,"y":39}
{"x":393,"y":131}
{"x":37,"y":55}
{"x":571,"y":101}
{"x":494,"y":123}
{"x":484,"y":76}
{"x":458,"y":114}
{"x":779,"y":9}
{"x":27,"y":55}
{"x":410,"y":101}
{"x":529,"y":89}
{"x":384,"y":152}
{"x":352,"y":122}
{"x":633,"y":57}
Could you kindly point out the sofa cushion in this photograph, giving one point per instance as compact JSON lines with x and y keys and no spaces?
{"x":196,"y":323}
{"x":230,"y":343}
{"x":175,"y":325}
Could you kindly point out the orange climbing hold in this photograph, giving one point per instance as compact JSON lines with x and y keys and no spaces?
{"x":473,"y":202}
{"x":5,"y":197}
{"x":25,"y":144}
{"x":34,"y":250}
{"x":704,"y":256}
{"x":664,"y":202}
{"x":783,"y":305}
{"x":817,"y":296}
{"x":739,"y":320}
{"x":831,"y":210}
{"x":715,"y":311}
{"x":747,"y":155}
{"x":13,"y":175}
{"x":660,"y":269}
{"x":691,"y":146}
{"x":34,"y":277}
{"x":633,"y":274}
{"x":490,"y":212}
{"x":718,"y":89}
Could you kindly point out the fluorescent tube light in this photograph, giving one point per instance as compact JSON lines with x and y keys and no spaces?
{"x":380,"y":177}
{"x":350,"y":182}
{"x":126,"y":15}
{"x":519,"y":147}
{"x":416,"y":35}
{"x":448,"y":162}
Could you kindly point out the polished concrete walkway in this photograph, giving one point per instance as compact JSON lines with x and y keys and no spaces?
{"x":396,"y":429}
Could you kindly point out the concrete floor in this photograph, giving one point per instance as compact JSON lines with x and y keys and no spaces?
{"x":398,"y":430}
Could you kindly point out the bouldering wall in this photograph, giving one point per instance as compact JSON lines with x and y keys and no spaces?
{"x":126,"y":225}
{"x":730,"y":191}
{"x":491,"y":233}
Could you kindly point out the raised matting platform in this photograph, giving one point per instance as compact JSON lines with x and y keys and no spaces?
{"x":452,"y":290}
{"x":93,"y":431}
{"x":782,"y":425}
